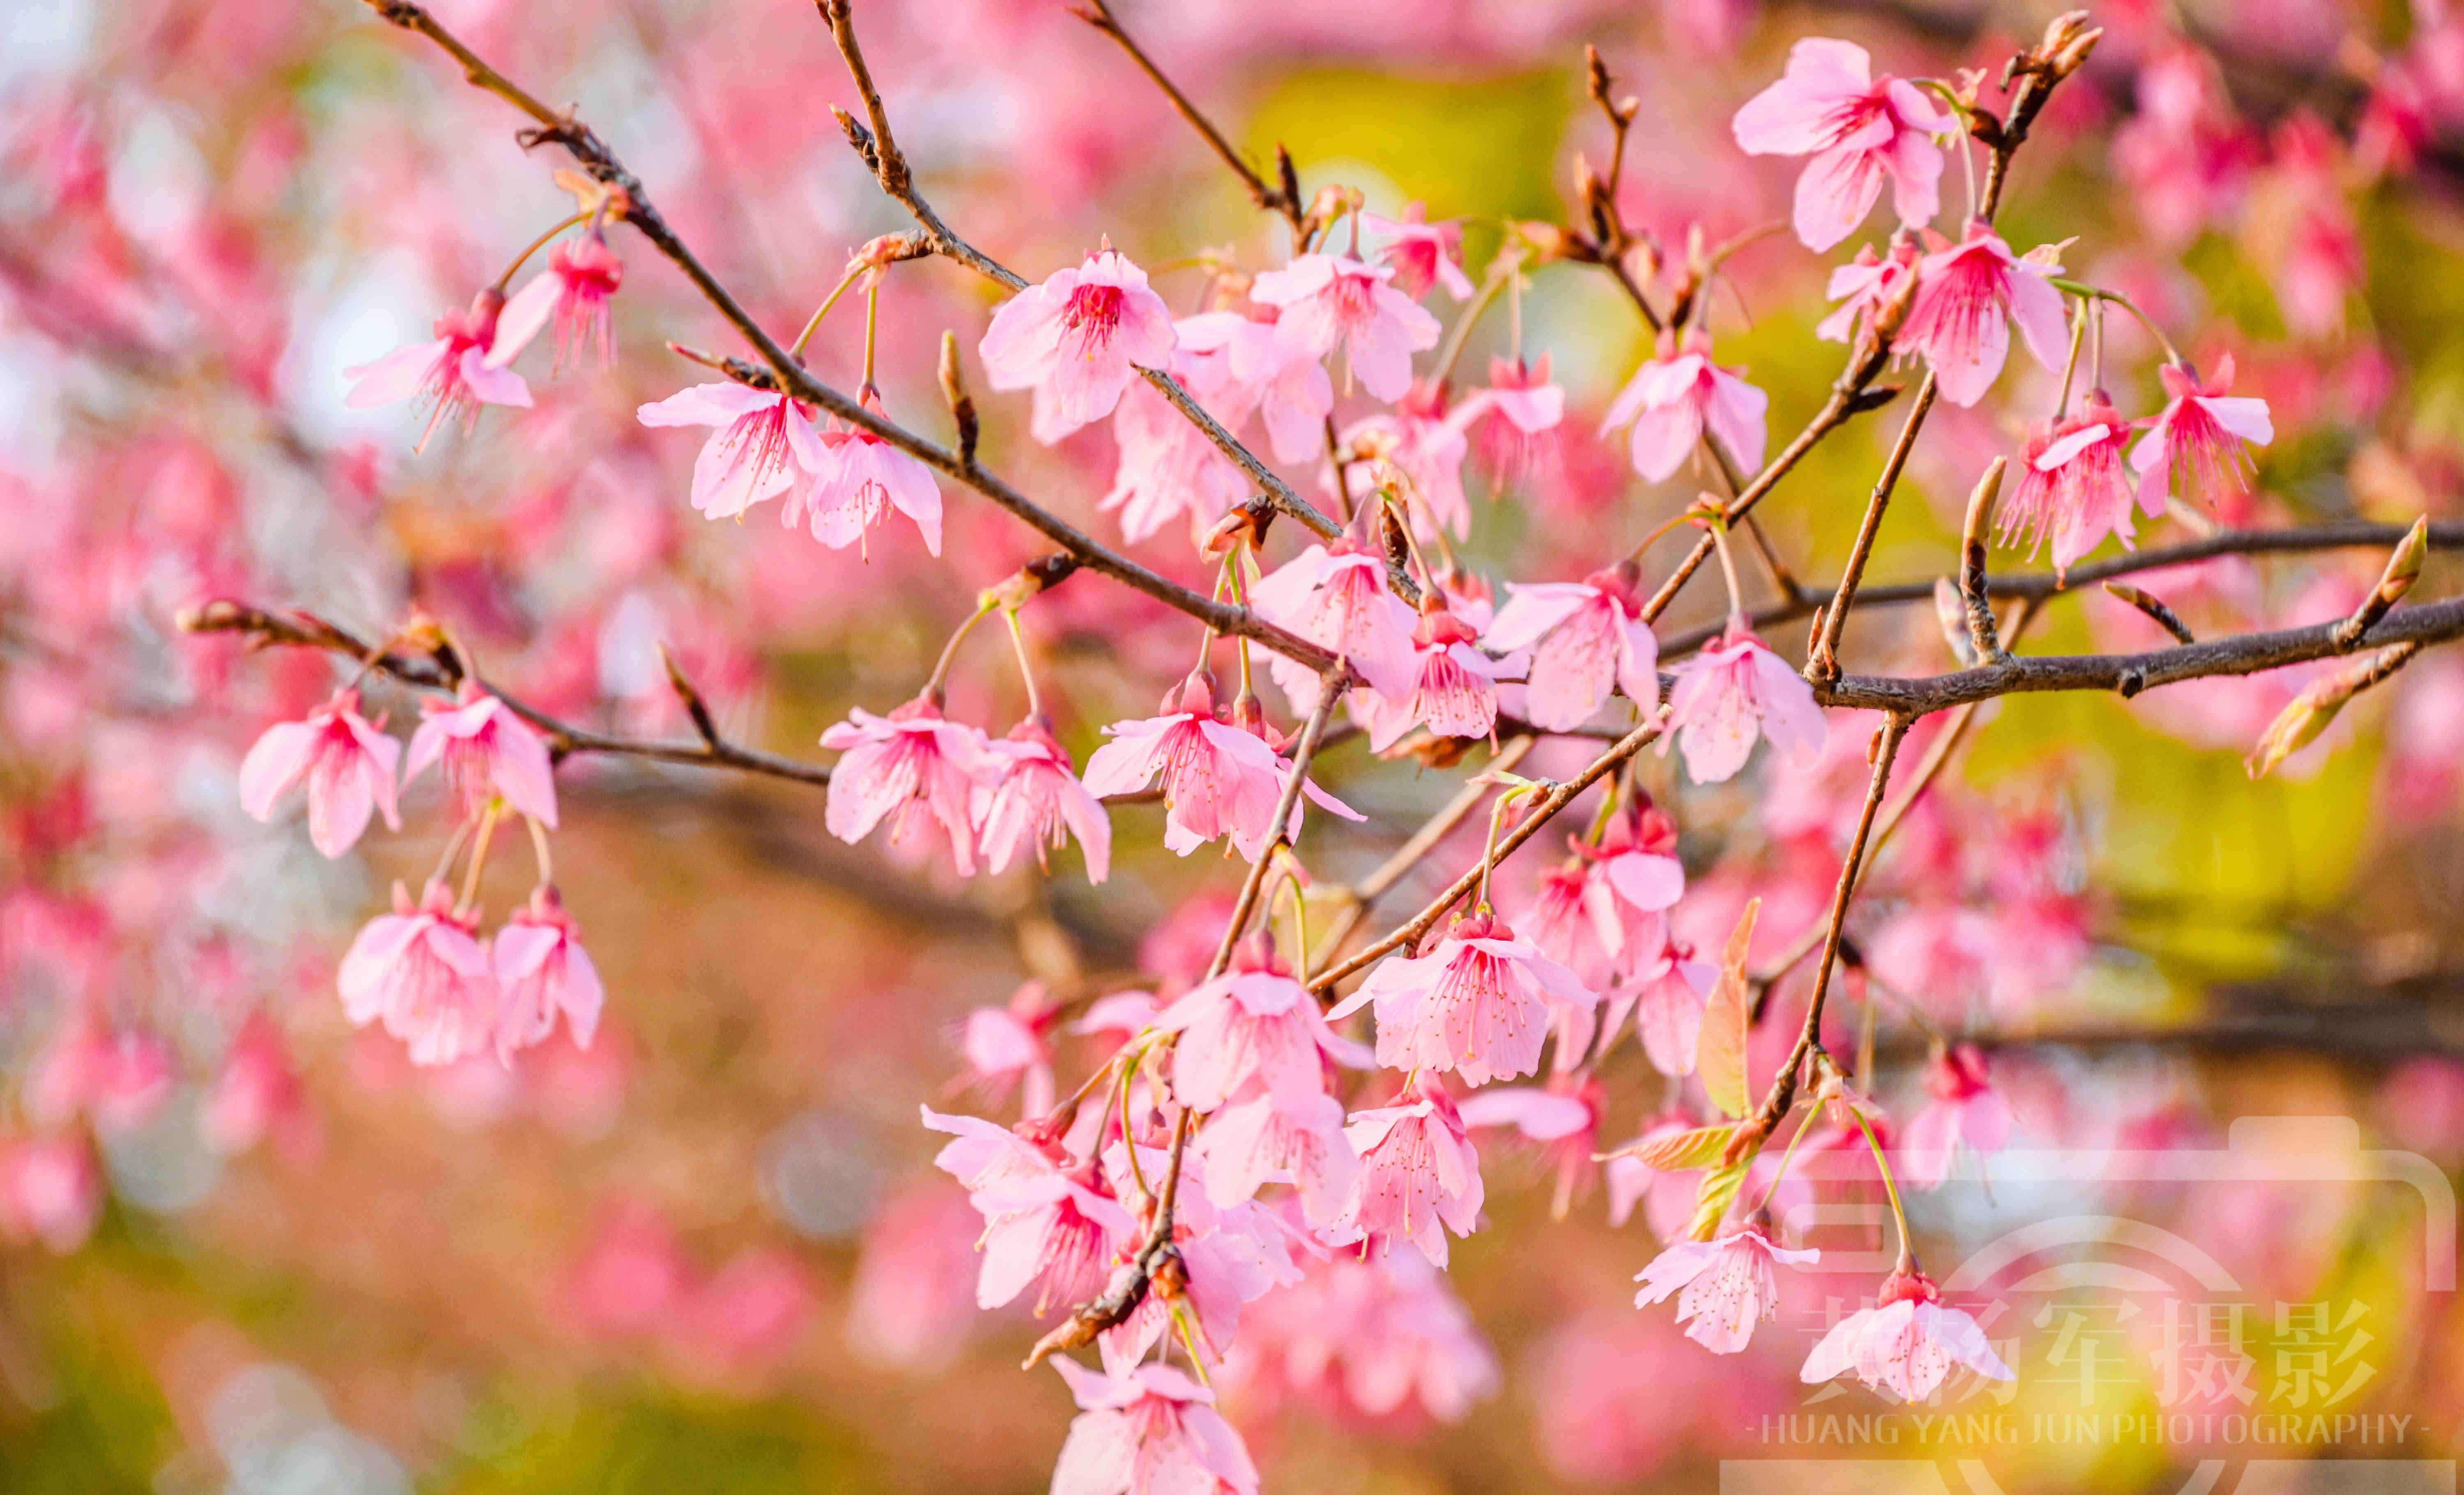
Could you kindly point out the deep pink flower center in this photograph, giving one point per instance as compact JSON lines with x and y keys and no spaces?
{"x":1093,"y":313}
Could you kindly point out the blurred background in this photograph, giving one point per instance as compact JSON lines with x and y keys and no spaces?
{"x":263,"y":1254}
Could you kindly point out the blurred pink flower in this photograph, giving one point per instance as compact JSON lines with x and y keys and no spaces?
{"x":908,"y":1304}
{"x":1586,"y":639}
{"x":347,"y":762}
{"x":487,"y":752}
{"x":1287,"y":384}
{"x":49,"y":1190}
{"x":1860,"y":131}
{"x":1731,"y":693}
{"x":1005,"y":1046}
{"x":542,"y":971}
{"x":120,"y":1078}
{"x":860,"y":478}
{"x":1378,"y":1337}
{"x":422,"y":970}
{"x":1253,"y":1022}
{"x":1418,"y":1174}
{"x":1728,"y":1284}
{"x":1421,"y":446}
{"x":2072,"y":488}
{"x":761,"y":441}
{"x":581,"y":277}
{"x":1327,"y":300}
{"x":1562,"y":1117}
{"x":1966,"y":1115}
{"x":1029,"y":798}
{"x":1905,"y":1344}
{"x":1421,"y":254}
{"x":749,"y":1314}
{"x":1965,"y":293}
{"x":1667,"y":991}
{"x":1675,"y":397}
{"x":1151,"y":1432}
{"x":2199,"y":437}
{"x":451,"y":375}
{"x":1482,"y":1003}
{"x":1168,"y":468}
{"x":1076,"y":340}
{"x":257,"y":1095}
{"x":897,"y":765}
{"x":632,"y":1278}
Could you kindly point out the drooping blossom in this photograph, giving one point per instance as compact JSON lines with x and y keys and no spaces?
{"x":1376,"y":1337}
{"x":1421,"y":254}
{"x":1562,"y":1117}
{"x":1586,"y":638}
{"x":1454,"y":684}
{"x":2198,"y":439}
{"x":910,"y":1304}
{"x":1168,"y":467}
{"x":1729,"y":1286}
{"x":1029,"y":798}
{"x":1285,"y":382}
{"x":1482,"y":1003}
{"x":1905,"y":1344}
{"x":1866,"y":287}
{"x":1418,"y":1174}
{"x":911,"y":761}
{"x":1327,"y":300}
{"x":1232,"y":1255}
{"x":1517,"y":445}
{"x":1639,"y":873}
{"x":1666,"y":992}
{"x":487,"y":752}
{"x":1151,"y":1431}
{"x":1268,"y":1135}
{"x":1046,"y":1218}
{"x":1677,"y":396}
{"x":1731,"y":693}
{"x":424,"y":971}
{"x":118,"y":1077}
{"x":49,"y":1190}
{"x":543,"y":973}
{"x":1965,"y":1114}
{"x":1219,"y":778}
{"x":346,"y":761}
{"x":1077,"y":339}
{"x":1860,"y":129}
{"x":1968,"y":294}
{"x":763,"y":442}
{"x":2071,"y":489}
{"x":582,"y":277}
{"x":1253,"y":1022}
{"x":860,"y":478}
{"x":1337,"y":597}
{"x":451,"y":375}
{"x":1418,"y":447}
{"x":1006,"y":1047}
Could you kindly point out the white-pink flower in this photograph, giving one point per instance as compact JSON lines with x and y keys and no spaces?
{"x":1168,"y":467}
{"x":49,"y":1190}
{"x":1219,"y":778}
{"x":1005,"y":1048}
{"x":347,"y":762}
{"x":1077,"y":339}
{"x":2200,"y":436}
{"x":487,"y":752}
{"x":1327,"y":300}
{"x":913,"y":760}
{"x":1027,"y":796}
{"x":1454,"y":684}
{"x":1253,"y":1022}
{"x":1048,"y":1218}
{"x":1287,"y":382}
{"x":424,"y":971}
{"x":1965,"y":1114}
{"x":1729,"y":1286}
{"x":1482,"y":1003}
{"x":1421,"y":254}
{"x":1419,"y":1176}
{"x":1966,"y":294}
{"x":859,"y":480}
{"x":1338,"y":599}
{"x":542,"y":972}
{"x":1865,"y":286}
{"x":451,"y":375}
{"x":1905,"y":1344}
{"x":1860,"y":130}
{"x":1419,"y":446}
{"x":763,"y":442}
{"x":1266,"y":1137}
{"x":1586,"y":639}
{"x":1731,"y":693}
{"x":1152,"y":1430}
{"x":1677,"y":396}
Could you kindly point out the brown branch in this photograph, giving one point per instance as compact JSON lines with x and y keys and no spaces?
{"x":1360,"y":895}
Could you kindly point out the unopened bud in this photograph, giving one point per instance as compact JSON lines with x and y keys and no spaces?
{"x":963,"y":405}
{"x":2311,"y":712}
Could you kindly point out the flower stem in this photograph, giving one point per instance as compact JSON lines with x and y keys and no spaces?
{"x":536,"y":244}
{"x":950,"y":650}
{"x":1025,"y":670}
{"x":1729,"y":571}
{"x":540,"y":851}
{"x":813,"y":323}
{"x":1890,"y":1185}
{"x":478,"y":862}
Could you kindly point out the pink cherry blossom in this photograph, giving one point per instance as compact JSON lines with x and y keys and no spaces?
{"x":1253,"y":1022}
{"x":1077,"y":339}
{"x":1866,"y":286}
{"x":1563,"y":1118}
{"x":582,"y":277}
{"x":2199,"y":437}
{"x":1287,"y":382}
{"x":2071,"y":489}
{"x":1046,"y":1218}
{"x":1586,"y":639}
{"x":1454,"y":685}
{"x":1151,"y":1431}
{"x":1266,"y":1135}
{"x":1482,"y":1003}
{"x":1418,"y":1174}
{"x":1905,"y":1344}
{"x":1338,"y":598}
{"x":763,"y":441}
{"x":1378,"y":1337}
{"x":347,"y":763}
{"x":1168,"y":467}
{"x":860,"y":478}
{"x":1327,"y":300}
{"x":1219,"y":778}
{"x":542,"y":972}
{"x":1667,"y":992}
{"x":451,"y":375}
{"x":1518,"y":447}
{"x":1731,"y":693}
{"x":1419,"y":447}
{"x":1421,"y":254}
{"x":1966,"y":1115}
{"x":1679,"y":395}
{"x":1027,"y":796}
{"x":1860,"y":131}
{"x":1966,"y":293}
{"x":121,"y":1078}
{"x":911,"y":761}
{"x":1005,"y":1046}
{"x":257,"y":1095}
{"x":424,"y":971}
{"x":1729,"y":1286}
{"x":50,"y":1191}
{"x":487,"y":752}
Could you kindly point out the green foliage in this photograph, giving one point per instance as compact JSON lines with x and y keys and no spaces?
{"x":654,"y":1440}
